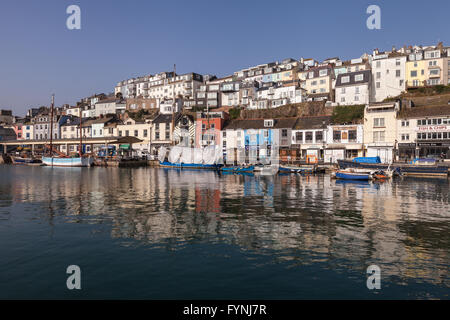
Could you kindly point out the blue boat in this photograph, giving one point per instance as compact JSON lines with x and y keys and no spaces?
{"x":347,"y":175}
{"x":167,"y":164}
{"x":237,"y":169}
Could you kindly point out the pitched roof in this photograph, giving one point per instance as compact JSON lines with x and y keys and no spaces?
{"x":281,"y":123}
{"x":430,"y":111}
{"x":352,"y":78}
{"x":315,"y":122}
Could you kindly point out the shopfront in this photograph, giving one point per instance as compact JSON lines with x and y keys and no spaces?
{"x":406,"y":151}
{"x":438,"y":149}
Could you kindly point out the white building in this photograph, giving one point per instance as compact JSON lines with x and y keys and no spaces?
{"x":388,"y":75}
{"x":353,"y":88}
{"x":110,"y":106}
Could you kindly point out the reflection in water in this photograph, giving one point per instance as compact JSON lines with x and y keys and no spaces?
{"x":401,"y":225}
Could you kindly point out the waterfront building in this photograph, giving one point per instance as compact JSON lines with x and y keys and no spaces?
{"x":344,"y":141}
{"x":6,"y":134}
{"x":101,"y":128}
{"x":353,"y":88}
{"x":139,"y":129}
{"x":184,"y":132}
{"x":28,"y":131}
{"x":380,"y":130}
{"x":309,"y":137}
{"x":18,"y":129}
{"x":424,"y":132}
{"x":388,"y":74}
{"x":73,"y":111}
{"x":208,"y":127}
{"x":41,"y":125}
{"x":247,"y":93}
{"x":255,"y":140}
{"x":161,"y":132}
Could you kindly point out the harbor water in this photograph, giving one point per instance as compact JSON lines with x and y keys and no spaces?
{"x":153,"y":233}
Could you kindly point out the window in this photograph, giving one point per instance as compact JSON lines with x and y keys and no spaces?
{"x":359,"y":77}
{"x":299,"y":136}
{"x":337,"y":136}
{"x":319,"y":136}
{"x":397,"y":73}
{"x":378,"y":65}
{"x":342,"y":90}
{"x":378,"y":75}
{"x":414,"y":73}
{"x":357,"y":90}
{"x":167,"y":135}
{"x":157,"y":135}
{"x":405,"y":123}
{"x":352,"y":135}
{"x":136,"y":133}
{"x":378,"y":122}
{"x":323,"y":73}
{"x":378,"y":136}
{"x":284,"y":132}
{"x":345,"y":79}
{"x":308,"y":137}
{"x":120,"y":133}
{"x":397,"y":62}
{"x":378,"y":85}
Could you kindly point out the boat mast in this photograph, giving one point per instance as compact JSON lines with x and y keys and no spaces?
{"x":81,"y":134}
{"x":51,"y":125}
{"x":173,"y":104}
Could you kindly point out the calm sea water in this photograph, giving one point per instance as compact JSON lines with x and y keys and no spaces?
{"x":167,"y":234}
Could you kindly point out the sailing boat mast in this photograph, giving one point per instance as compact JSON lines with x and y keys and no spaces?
{"x":173,"y":104}
{"x":51,"y":124}
{"x":81,"y":134}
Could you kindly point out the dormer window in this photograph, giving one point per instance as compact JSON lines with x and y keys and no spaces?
{"x":345,"y":79}
{"x":268,"y":123}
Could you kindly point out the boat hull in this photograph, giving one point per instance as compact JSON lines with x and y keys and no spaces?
{"x":420,"y":170}
{"x":25,"y":161}
{"x":67,"y":162}
{"x":167,"y":164}
{"x":352,"y":176}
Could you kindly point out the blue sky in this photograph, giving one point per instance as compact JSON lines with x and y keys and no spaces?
{"x":121,"y":39}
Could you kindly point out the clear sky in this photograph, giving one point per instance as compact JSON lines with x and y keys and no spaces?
{"x":121,"y":39}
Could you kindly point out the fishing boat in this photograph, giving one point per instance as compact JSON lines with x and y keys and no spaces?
{"x":373,"y":163}
{"x":191,"y":158}
{"x":63,"y":160}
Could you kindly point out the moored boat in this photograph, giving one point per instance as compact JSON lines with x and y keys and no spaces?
{"x":25,"y":161}
{"x":351,"y":175}
{"x":406,"y":169}
{"x":68,"y":162}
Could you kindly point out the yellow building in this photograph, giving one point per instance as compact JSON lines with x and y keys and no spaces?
{"x":416,"y":73}
{"x":380,"y":130}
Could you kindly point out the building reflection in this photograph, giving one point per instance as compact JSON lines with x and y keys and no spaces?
{"x":402,"y":225}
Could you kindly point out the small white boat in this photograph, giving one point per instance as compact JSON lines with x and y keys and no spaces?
{"x":68,"y":162}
